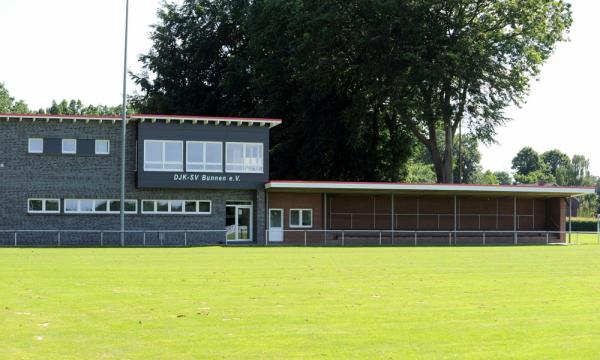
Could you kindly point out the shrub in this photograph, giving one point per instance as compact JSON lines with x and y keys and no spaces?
{"x":583,"y":224}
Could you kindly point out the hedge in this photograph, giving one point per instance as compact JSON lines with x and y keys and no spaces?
{"x":583,"y":224}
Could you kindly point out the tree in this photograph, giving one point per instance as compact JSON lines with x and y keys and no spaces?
{"x":418,"y":172}
{"x":469,"y":166}
{"x":455,"y":62}
{"x":503,"y":177}
{"x":527,"y":161}
{"x":351,"y":79}
{"x":8,"y":104}
{"x":558,"y":165}
{"x":76,"y":107}
{"x":275,"y":58}
{"x":488,"y":178}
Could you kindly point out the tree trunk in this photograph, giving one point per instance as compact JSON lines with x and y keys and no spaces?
{"x":443,"y":164}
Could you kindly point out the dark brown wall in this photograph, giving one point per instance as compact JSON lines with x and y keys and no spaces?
{"x":374,"y":212}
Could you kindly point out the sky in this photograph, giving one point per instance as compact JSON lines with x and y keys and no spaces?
{"x":73,"y":49}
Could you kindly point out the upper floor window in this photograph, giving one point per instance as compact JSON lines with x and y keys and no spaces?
{"x":36,"y":146}
{"x":69,"y":146}
{"x":102,"y":147}
{"x":244,"y":157}
{"x":204,"y":156}
{"x":163,"y":155}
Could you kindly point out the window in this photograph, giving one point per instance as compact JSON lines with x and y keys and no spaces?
{"x":36,"y":146}
{"x":204,"y":156}
{"x":300,"y":217}
{"x":47,"y":206}
{"x":190,"y":207}
{"x":98,"y":206}
{"x":162,"y":155}
{"x":102,"y":147}
{"x":244,"y":157}
{"x":69,"y":146}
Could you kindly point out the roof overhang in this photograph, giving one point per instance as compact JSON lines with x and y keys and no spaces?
{"x":427,"y":189}
{"x":205,"y":120}
{"x":216,"y":120}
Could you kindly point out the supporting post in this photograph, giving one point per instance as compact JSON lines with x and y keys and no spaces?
{"x":598,"y":229}
{"x":266,"y":237}
{"x":570,"y":218}
{"x":342,"y":237}
{"x":454,"y":221}
{"x":484,"y":238}
{"x":515,"y":218}
{"x":415,"y":238}
{"x":325,"y":211}
{"x":418,"y":210}
{"x":380,"y":238}
{"x":547,"y":238}
{"x":393,"y":219}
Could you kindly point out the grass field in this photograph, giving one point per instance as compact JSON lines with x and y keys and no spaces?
{"x":289,"y":303}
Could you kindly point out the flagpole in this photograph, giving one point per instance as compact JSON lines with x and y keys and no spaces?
{"x":124,"y":129}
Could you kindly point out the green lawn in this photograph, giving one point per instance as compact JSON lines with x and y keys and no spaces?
{"x":537,"y":302}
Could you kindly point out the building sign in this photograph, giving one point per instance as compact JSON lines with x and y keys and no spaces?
{"x":194,"y":178}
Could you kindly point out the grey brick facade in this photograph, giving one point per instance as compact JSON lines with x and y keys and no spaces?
{"x":60,"y":176}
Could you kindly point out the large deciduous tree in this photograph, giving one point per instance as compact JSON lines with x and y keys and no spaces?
{"x":466,"y":61}
{"x":351,"y":79}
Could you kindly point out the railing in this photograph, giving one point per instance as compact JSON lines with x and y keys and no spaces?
{"x":111,"y":238}
{"x":298,"y":237}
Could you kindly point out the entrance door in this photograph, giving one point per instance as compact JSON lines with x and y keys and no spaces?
{"x":275,"y":224}
{"x":238,"y":222}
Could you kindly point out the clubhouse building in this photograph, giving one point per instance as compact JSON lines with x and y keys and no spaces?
{"x":208,"y":177}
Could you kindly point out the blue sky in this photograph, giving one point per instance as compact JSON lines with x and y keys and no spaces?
{"x":73,"y":49}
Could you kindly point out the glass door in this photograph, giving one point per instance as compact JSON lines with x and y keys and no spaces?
{"x":238,"y":222}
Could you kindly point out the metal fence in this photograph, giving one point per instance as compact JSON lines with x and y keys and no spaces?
{"x":425,"y":238}
{"x":300,"y":237}
{"x":111,"y":238}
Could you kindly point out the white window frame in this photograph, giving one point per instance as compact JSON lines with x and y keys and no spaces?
{"x":100,"y":152}
{"x":170,"y":212}
{"x":204,"y":162}
{"x":29,"y":146}
{"x":243,"y":164}
{"x":163,"y":162}
{"x":43,"y":211}
{"x":62,"y":146}
{"x":107,"y":211}
{"x":300,"y":218}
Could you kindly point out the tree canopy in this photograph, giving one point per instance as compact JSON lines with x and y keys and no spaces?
{"x":8,"y":104}
{"x":357,"y":82}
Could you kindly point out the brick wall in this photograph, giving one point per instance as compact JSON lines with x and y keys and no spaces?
{"x":24,"y":176}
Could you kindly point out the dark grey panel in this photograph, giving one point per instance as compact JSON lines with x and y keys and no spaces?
{"x":190,"y":132}
{"x":86,"y":146}
{"x":52,"y":146}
